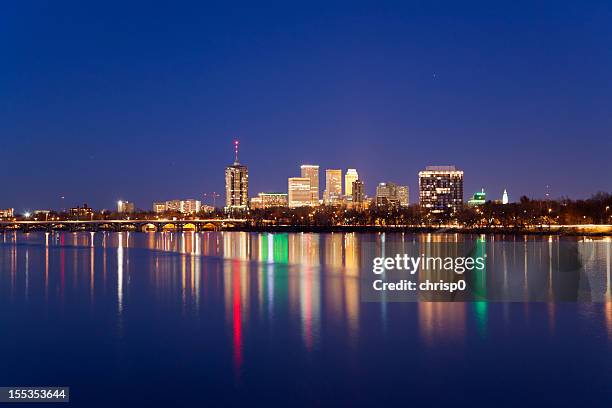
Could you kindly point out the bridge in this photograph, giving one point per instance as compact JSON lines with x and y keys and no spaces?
{"x":214,"y":224}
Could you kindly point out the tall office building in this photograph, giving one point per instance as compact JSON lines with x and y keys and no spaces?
{"x":311,"y":172}
{"x":300,"y":192}
{"x":386,"y":194}
{"x":236,"y":184}
{"x":403,"y":195}
{"x":333,"y":186}
{"x":441,"y":188}
{"x":349,"y":178}
{"x":392,"y":194}
{"x":358,"y":190}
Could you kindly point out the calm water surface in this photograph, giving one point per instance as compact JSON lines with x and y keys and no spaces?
{"x":217,"y":319}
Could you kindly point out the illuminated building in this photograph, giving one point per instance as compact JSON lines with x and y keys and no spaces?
{"x":84,"y":211}
{"x":236,"y":184}
{"x":392,"y":194}
{"x":173,"y":205}
{"x":333,"y":186}
{"x":125,"y":207}
{"x":312,"y":173}
{"x":7,"y":213}
{"x":300,"y":193}
{"x":386,"y":194}
{"x":403,"y":195}
{"x":206,"y":208}
{"x":479,"y":198}
{"x":358,"y":190}
{"x":349,"y":178}
{"x":505,"y":197}
{"x":159,"y":207}
{"x":441,"y":188}
{"x":189,"y":206}
{"x":269,"y":200}
{"x":255,"y":203}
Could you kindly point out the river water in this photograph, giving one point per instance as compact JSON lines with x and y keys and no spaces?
{"x":235,"y":318}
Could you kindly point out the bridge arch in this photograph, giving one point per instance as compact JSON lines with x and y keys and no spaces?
{"x":209,"y":226}
{"x":189,"y":227}
{"x":148,"y":227}
{"x":169,"y":227}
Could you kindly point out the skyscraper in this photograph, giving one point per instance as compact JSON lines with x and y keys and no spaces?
{"x":358,"y":189}
{"x":350,"y":177}
{"x":311,"y":172}
{"x":441,"y":188}
{"x":387,"y":194}
{"x":333,"y":186}
{"x":505,"y":197}
{"x":236,"y":184}
{"x":300,"y":193}
{"x":403,"y":195}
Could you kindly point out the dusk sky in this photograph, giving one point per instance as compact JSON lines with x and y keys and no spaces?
{"x":108,"y":100}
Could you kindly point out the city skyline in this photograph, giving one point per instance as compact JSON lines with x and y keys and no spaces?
{"x":238,"y":197}
{"x":104,"y":106}
{"x":322,"y":203}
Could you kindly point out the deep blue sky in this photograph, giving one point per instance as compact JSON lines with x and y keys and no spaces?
{"x":108,"y":100}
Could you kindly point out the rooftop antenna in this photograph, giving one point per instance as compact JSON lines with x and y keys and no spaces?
{"x":235,"y":151}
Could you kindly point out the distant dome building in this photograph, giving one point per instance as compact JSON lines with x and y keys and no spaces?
{"x":479,"y":198}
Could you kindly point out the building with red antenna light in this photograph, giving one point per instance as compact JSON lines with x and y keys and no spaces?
{"x":236,"y":184}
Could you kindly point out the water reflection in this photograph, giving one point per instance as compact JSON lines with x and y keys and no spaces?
{"x":236,"y":288}
{"x":312,"y":281}
{"x":442,"y":322}
{"x":120,"y":272}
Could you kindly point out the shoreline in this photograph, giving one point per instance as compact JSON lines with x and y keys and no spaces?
{"x":591,"y":230}
{"x":587,"y":230}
